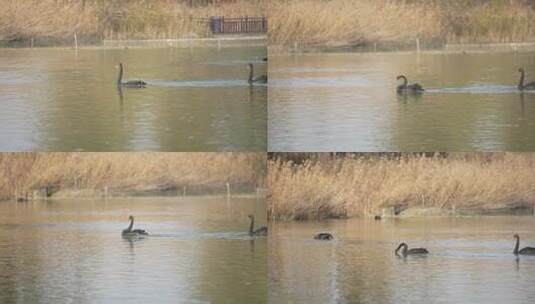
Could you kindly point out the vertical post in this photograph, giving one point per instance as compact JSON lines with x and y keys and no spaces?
{"x":184,"y":191}
{"x":31,"y":42}
{"x":75,"y":41}
{"x":417,"y":45}
{"x":228,"y":190}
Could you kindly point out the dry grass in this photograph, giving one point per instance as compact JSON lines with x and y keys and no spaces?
{"x":22,"y":172}
{"x":324,"y":186}
{"x":357,"y":22}
{"x":24,"y":19}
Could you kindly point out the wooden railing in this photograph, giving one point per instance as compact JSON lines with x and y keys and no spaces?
{"x":222,"y":25}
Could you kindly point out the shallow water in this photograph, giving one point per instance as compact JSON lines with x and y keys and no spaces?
{"x":196,"y":100}
{"x":470,"y":261}
{"x":347,"y":102}
{"x":72,"y":251}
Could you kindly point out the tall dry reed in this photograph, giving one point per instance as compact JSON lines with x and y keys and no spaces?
{"x":362,"y":185}
{"x":358,"y":22}
{"x":22,"y":172}
{"x":23,"y":19}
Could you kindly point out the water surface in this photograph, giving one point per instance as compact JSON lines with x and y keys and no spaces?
{"x":347,"y":102}
{"x":470,"y":261}
{"x":66,"y":100}
{"x":71,"y":251}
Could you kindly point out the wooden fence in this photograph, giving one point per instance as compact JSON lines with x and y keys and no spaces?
{"x":222,"y":25}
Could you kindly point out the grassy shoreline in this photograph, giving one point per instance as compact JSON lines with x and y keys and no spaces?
{"x":39,"y":175}
{"x":354,"y":24}
{"x":321,"y":186}
{"x":52,"y":22}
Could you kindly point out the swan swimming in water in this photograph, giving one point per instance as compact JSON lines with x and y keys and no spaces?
{"x":259,"y":79}
{"x":136,"y":232}
{"x":324,"y":236}
{"x":405,"y":251}
{"x":523,"y":251}
{"x":260,"y":231}
{"x":130,"y":83}
{"x":410,"y":89}
{"x":521,"y":86}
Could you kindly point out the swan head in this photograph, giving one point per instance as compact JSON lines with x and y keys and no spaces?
{"x":402,"y":245}
{"x":516,"y":236}
{"x":250,"y":216}
{"x":401,"y":77}
{"x":131,"y":217}
{"x":521,"y":70}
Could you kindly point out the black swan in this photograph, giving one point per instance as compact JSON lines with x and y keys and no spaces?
{"x":521,"y":86}
{"x":260,"y":231}
{"x":324,"y":236}
{"x":523,"y":251}
{"x":259,"y":79}
{"x":405,"y":251}
{"x":136,"y":232}
{"x":411,"y":89}
{"x":129,"y":84}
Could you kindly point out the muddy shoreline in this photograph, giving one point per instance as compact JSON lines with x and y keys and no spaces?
{"x":220,"y":41}
{"x":239,"y":190}
{"x":411,"y":46}
{"x":53,"y":192}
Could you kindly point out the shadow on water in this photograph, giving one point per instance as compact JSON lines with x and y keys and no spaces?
{"x":472,"y":254}
{"x":348,"y":102}
{"x":68,"y":99}
{"x":73,"y":250}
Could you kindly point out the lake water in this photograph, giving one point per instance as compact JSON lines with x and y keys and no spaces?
{"x":67,"y":100}
{"x":470,"y":261}
{"x":71,"y":251}
{"x":348,"y":102}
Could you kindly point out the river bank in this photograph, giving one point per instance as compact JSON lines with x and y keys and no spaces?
{"x":415,"y":46}
{"x":222,"y":41}
{"x":322,"y":186}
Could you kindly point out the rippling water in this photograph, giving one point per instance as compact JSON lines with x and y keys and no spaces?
{"x":470,"y":261}
{"x":347,"y":102}
{"x":72,"y":251}
{"x":67,"y":100}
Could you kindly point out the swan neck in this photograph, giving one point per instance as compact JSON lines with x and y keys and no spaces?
{"x":131,"y":225}
{"x":120,"y":77}
{"x":251,"y":226}
{"x":521,"y":82}
{"x":250,"y":73}
{"x":404,"y":81}
{"x":517,"y":245}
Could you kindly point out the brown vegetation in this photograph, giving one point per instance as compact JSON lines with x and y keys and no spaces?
{"x":22,"y":173}
{"x":139,"y":19}
{"x":361,"y":22}
{"x":326,"y":185}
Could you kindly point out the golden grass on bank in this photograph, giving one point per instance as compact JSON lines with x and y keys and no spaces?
{"x":22,"y":172}
{"x":354,"y":186}
{"x":139,"y":19}
{"x":356,"y":22}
